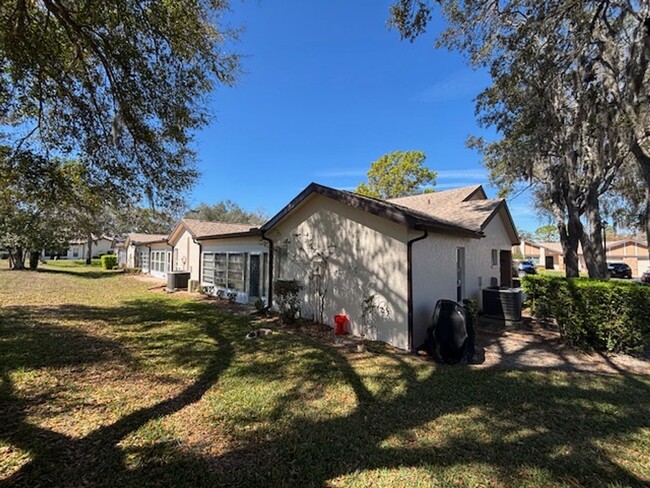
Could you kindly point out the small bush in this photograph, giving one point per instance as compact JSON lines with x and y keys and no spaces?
{"x":260,"y":306}
{"x":612,"y":316}
{"x":109,"y":261}
{"x":287,"y":295}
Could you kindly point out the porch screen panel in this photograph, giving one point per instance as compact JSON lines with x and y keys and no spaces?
{"x":208,"y":267}
{"x":220,"y":269}
{"x":236,"y":266}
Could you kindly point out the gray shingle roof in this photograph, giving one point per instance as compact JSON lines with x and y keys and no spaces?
{"x":468,"y":221}
{"x":138,"y":238}
{"x":466,"y":206}
{"x":203,"y":228}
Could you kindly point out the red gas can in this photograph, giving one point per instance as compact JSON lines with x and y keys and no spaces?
{"x":340,"y":320}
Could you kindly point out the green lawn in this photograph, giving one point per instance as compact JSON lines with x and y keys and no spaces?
{"x":106,"y":383}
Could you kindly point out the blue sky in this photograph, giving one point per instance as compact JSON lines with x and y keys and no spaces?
{"x":326,"y":90}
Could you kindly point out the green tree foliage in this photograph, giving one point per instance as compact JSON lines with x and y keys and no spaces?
{"x":570,"y":98}
{"x":120,"y":84}
{"x":398,"y":174}
{"x":547,"y":233}
{"x":227,"y":211}
{"x":134,"y":218}
{"x":36,"y":195}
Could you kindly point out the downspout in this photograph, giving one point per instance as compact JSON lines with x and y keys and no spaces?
{"x":409,"y":260}
{"x":149,"y":259}
{"x":200,"y":257}
{"x":270,"y":286}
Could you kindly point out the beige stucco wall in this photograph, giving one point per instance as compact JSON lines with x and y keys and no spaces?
{"x":363,"y":255}
{"x":434,"y":270}
{"x":186,"y":255}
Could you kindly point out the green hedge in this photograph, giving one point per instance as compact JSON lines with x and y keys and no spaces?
{"x":109,"y":261}
{"x":612,"y":316}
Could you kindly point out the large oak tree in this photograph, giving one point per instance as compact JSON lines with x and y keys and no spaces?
{"x":120,"y":85}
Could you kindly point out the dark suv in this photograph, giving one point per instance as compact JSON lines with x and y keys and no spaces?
{"x":619,"y":270}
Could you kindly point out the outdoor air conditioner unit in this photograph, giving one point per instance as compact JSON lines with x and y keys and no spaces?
{"x":177,"y":280}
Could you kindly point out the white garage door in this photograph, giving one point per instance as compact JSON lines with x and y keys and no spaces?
{"x":643,"y":264}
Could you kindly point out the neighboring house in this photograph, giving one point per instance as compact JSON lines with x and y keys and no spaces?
{"x":631,"y":251}
{"x":79,"y":247}
{"x":545,"y":254}
{"x":385,"y":264}
{"x":186,"y":248}
{"x":234,"y":262}
{"x":138,"y":249}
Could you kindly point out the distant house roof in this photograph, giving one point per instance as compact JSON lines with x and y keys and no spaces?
{"x":203,"y":229}
{"x":138,"y":239}
{"x":451,"y":211}
{"x":84,"y":240}
{"x":622,"y":242}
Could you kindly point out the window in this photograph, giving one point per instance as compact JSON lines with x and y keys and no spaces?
{"x":225,"y":269}
{"x":220,"y":269}
{"x":264,"y":274}
{"x":208,"y":267}
{"x":158,"y":261}
{"x":236,"y":264}
{"x":144,"y":261}
{"x":495,"y":257}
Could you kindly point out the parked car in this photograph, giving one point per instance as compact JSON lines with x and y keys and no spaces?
{"x":619,"y":270}
{"x":645,"y":277}
{"x":526,"y":267}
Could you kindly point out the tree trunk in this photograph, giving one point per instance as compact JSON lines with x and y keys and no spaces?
{"x":569,"y":240}
{"x":592,"y":243}
{"x":17,"y":259}
{"x":643,"y":159}
{"x":34,"y":257}
{"x":647,"y":217}
{"x":89,"y":245}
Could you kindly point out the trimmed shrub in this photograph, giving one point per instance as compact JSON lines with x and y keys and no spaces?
{"x":109,"y":261}
{"x":287,"y":295}
{"x":611,"y":316}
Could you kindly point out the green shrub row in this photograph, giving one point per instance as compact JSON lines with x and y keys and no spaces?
{"x":109,"y":261}
{"x":611,"y":316}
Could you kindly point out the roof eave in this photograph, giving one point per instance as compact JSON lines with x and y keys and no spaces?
{"x":230,"y":235}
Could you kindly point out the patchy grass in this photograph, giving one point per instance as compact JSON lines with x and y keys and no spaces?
{"x":104,"y":383}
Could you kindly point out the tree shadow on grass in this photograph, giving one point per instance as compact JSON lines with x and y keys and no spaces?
{"x":514,"y":423}
{"x":61,"y":460}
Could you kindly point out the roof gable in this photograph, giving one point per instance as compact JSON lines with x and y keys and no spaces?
{"x":202,"y":229}
{"x":138,"y":239}
{"x":390,"y":210}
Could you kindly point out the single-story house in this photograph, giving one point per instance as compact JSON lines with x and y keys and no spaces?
{"x":550,"y":255}
{"x":234,"y":263}
{"x":546,"y":255}
{"x":634,"y":252}
{"x":100,"y":245}
{"x":138,"y":248}
{"x":184,"y":242}
{"x":385,"y":263}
